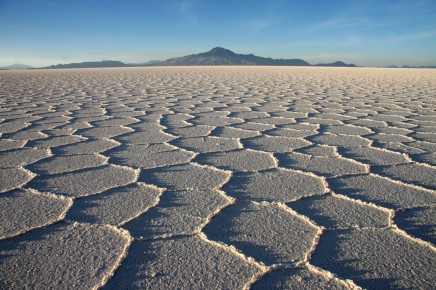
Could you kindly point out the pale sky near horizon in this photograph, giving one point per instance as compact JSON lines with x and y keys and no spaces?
{"x":365,"y":32}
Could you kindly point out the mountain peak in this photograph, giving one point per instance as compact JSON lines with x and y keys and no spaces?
{"x":219,"y":51}
{"x":223,"y":56}
{"x":337,"y":64}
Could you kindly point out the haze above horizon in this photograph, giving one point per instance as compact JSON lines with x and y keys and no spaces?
{"x":368,"y":33}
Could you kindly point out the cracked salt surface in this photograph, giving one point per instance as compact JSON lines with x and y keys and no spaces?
{"x":217,"y":178}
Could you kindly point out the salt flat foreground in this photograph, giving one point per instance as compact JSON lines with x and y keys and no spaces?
{"x":218,"y":178}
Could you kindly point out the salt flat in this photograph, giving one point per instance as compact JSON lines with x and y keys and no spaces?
{"x":218,"y":178}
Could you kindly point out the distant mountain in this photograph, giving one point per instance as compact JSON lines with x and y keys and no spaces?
{"x":426,"y":66}
{"x":412,"y":66}
{"x":337,"y":64}
{"x":90,"y":64}
{"x":218,"y":56}
{"x":17,"y":66}
{"x":222,"y":56}
{"x":148,"y":63}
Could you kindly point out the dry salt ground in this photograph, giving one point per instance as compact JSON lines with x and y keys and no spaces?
{"x":218,"y":178}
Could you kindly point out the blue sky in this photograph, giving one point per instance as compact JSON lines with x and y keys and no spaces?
{"x":365,"y":32}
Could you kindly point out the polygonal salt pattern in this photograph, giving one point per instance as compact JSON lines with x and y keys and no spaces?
{"x":321,"y":165}
{"x":418,"y":222}
{"x":104,"y":132}
{"x":340,"y":140}
{"x":12,"y":127}
{"x":86,"y":147}
{"x":319,"y":150}
{"x":84,"y":182}
{"x":377,"y":259}
{"x":151,"y":136}
{"x":59,"y":254}
{"x":177,"y":213}
{"x":115,"y":206}
{"x":21,"y":157}
{"x":334,"y":212}
{"x":417,"y":174}
{"x":374,"y":156}
{"x":298,"y":278}
{"x":238,"y":160}
{"x":382,"y":191}
{"x":230,"y":132}
{"x":149,"y":156}
{"x":207,"y":144}
{"x":275,"y":144}
{"x":23,"y":210}
{"x":185,"y":263}
{"x":247,"y":227}
{"x":226,"y":177}
{"x":26,"y":135}
{"x":55,"y":141}
{"x":347,"y":130}
{"x":62,"y":164}
{"x":279,"y":185}
{"x":185,"y":177}
{"x":11,"y":144}
{"x":191,"y":131}
{"x":292,"y":133}
{"x":12,"y":178}
{"x":428,"y":158}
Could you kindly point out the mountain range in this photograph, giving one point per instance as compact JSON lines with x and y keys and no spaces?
{"x":90,"y":64}
{"x":217,"y":56}
{"x":17,"y":66}
{"x":222,"y":56}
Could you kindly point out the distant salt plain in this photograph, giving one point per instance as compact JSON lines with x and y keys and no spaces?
{"x":218,"y":178}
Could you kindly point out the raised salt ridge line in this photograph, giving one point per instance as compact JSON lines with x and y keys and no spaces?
{"x":228,"y":177}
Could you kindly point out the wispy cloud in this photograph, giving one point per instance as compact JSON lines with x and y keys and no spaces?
{"x":339,"y":23}
{"x":412,"y":36}
{"x":259,"y":24}
{"x":187,"y":9}
{"x":381,"y":16}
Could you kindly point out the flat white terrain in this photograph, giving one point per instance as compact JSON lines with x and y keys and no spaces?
{"x":218,"y":178}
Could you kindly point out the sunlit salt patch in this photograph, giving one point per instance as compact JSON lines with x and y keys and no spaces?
{"x":13,"y":178}
{"x":22,"y":156}
{"x":23,"y":210}
{"x":207,"y":144}
{"x":62,"y":164}
{"x":278,"y":185}
{"x":84,"y":182}
{"x":238,"y":160}
{"x":185,"y":177}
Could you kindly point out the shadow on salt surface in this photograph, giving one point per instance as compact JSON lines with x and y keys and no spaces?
{"x":296,"y":278}
{"x":181,"y":263}
{"x":320,"y":220}
{"x":376,"y":259}
{"x":79,"y":212}
{"x":420,"y":223}
{"x":269,"y":234}
{"x":345,"y":268}
{"x":429,"y":158}
{"x":150,"y":223}
{"x":133,"y":271}
{"x":416,"y":174}
{"x":259,"y":252}
{"x":177,"y":213}
{"x":383,"y":192}
{"x":67,"y":255}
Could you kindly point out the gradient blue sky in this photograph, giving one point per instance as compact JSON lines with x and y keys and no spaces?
{"x":365,"y":32}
